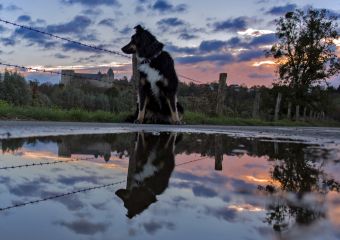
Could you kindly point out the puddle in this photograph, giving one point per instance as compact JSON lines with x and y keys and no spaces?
{"x":167,"y":186}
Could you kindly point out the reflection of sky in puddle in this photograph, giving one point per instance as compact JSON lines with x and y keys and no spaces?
{"x":249,"y":197}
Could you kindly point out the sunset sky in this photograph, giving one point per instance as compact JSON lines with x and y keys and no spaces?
{"x":204,"y":37}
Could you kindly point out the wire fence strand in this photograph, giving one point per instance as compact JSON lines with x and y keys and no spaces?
{"x":81,"y":44}
{"x":64,"y":39}
{"x":54,"y":72}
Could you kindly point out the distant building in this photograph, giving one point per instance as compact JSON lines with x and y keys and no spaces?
{"x":99,"y":80}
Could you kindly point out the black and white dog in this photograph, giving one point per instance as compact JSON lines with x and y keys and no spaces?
{"x":158,"y":79}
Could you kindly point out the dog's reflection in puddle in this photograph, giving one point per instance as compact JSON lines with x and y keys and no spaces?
{"x":150,"y":167}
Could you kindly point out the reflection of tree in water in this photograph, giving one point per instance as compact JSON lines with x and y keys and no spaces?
{"x":302,"y":186}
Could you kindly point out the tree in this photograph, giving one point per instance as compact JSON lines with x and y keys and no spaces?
{"x":305,"y":52}
{"x":14,"y":89}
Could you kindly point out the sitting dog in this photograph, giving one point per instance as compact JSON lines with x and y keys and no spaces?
{"x":150,"y":167}
{"x":158,"y":83}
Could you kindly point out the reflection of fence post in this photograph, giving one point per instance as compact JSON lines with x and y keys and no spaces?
{"x":289,"y":111}
{"x":221,"y":93}
{"x":218,"y":153}
{"x":277,"y":107}
{"x":256,"y":106}
{"x":297,"y":113}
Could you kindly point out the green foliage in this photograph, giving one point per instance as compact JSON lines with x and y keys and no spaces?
{"x":305,"y":52}
{"x":14,"y":89}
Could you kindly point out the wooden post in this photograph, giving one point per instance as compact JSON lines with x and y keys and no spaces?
{"x":135,"y":72}
{"x":277,"y":107}
{"x":221,"y":93}
{"x":218,"y":153}
{"x":256,"y":106}
{"x":297,"y":113}
{"x":289,"y":111}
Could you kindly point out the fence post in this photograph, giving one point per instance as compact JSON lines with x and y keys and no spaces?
{"x":297,"y":113}
{"x":135,"y":72}
{"x":221,"y":93}
{"x":256,"y":106}
{"x":289,"y":111}
{"x":277,"y":107}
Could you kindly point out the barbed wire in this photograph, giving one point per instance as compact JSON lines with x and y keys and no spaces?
{"x":78,"y":75}
{"x":64,"y":39}
{"x":44,"y":163}
{"x":81,"y":190}
{"x":84,"y":45}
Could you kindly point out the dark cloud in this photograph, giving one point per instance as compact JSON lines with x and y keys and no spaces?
{"x":75,"y":179}
{"x":108,"y":22}
{"x":215,"y":58}
{"x":170,"y":22}
{"x":232,"y":24}
{"x":226,"y":214}
{"x":92,"y":2}
{"x":264,"y":39}
{"x":33,"y":38}
{"x":187,"y":36}
{"x":176,"y":49}
{"x":202,"y":191}
{"x":280,"y":10}
{"x":211,"y":45}
{"x":61,"y":56}
{"x":84,"y":227}
{"x":75,"y":26}
{"x":261,"y":76}
{"x":164,"y":6}
{"x":1,"y":7}
{"x":13,"y":7}
{"x":152,"y":227}
{"x":92,"y":11}
{"x":2,"y":29}
{"x":24,"y":18}
{"x":250,"y":55}
{"x":126,"y":30}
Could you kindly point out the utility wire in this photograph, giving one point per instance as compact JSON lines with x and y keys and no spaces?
{"x":64,"y":39}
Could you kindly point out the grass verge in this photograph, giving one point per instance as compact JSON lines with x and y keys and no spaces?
{"x":8,"y":112}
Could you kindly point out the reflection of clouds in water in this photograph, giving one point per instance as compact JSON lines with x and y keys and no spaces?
{"x":152,"y":227}
{"x":84,"y":227}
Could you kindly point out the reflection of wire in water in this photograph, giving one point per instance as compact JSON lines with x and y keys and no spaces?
{"x":196,"y":160}
{"x":82,"y":190}
{"x":45,"y":163}
{"x":61,"y":195}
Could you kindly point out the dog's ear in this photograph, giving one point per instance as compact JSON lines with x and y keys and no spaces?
{"x":138,"y":28}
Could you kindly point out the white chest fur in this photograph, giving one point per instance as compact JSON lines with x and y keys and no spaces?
{"x":153,"y":76}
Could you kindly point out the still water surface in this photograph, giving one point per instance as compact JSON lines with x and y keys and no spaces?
{"x":168,"y":186}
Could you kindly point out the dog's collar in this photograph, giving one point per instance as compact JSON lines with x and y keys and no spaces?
{"x":148,"y":60}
